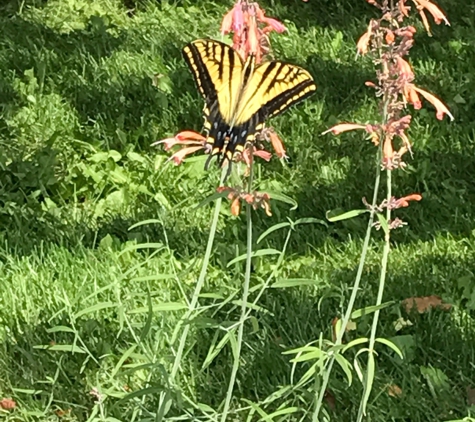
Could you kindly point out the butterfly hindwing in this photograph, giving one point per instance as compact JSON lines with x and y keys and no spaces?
{"x":240,"y":96}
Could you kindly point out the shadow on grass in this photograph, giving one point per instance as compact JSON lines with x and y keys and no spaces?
{"x":437,"y":341}
{"x":443,"y":177}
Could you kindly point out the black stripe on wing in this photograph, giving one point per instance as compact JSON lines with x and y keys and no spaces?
{"x":200,"y":73}
{"x":286,"y":99}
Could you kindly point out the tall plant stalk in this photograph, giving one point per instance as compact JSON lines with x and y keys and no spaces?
{"x":164,"y":396}
{"x":388,"y":41}
{"x":245,"y":293}
{"x":320,"y":392}
{"x":379,"y":299}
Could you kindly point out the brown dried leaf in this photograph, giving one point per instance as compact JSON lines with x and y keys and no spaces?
{"x":7,"y":404}
{"x":330,"y":399}
{"x":425,"y":303}
{"x":470,"y":396}
{"x":394,"y":390}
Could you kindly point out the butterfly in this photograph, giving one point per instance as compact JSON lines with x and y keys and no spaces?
{"x":241,"y":95}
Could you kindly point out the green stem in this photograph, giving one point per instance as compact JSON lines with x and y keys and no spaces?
{"x":379,"y":299}
{"x":326,"y":372}
{"x":245,"y":294}
{"x":165,"y":396}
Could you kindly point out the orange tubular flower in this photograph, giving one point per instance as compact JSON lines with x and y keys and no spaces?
{"x":270,"y":135}
{"x":434,"y":10}
{"x":363,"y":43}
{"x":236,"y":206}
{"x":343,"y":127}
{"x":403,"y":8}
{"x":411,"y":96}
{"x":404,"y":201}
{"x":186,"y":137}
{"x":405,"y":69}
{"x":440,"y":107}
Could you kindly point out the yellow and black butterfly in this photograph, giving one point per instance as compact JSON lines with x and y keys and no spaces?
{"x":240,"y":96}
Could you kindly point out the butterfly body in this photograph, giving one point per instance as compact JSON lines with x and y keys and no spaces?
{"x":240,"y":95}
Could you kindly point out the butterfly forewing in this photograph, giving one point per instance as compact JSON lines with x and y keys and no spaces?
{"x":274,"y":87}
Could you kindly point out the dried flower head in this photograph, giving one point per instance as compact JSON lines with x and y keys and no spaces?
{"x":255,"y":199}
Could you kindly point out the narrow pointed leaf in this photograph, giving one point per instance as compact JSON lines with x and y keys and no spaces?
{"x":335,"y":216}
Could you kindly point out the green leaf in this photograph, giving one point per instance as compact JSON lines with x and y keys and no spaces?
{"x":310,"y":220}
{"x":119,"y":364}
{"x":272,"y":229}
{"x":278,"y":196}
{"x":369,"y":379}
{"x":148,"y":322}
{"x":205,"y":408}
{"x":94,"y":308}
{"x":285,"y":411}
{"x":391,"y":345}
{"x":370,"y":309}
{"x":155,"y":277}
{"x":160,"y":307}
{"x":61,"y":348}
{"x":145,"y":222}
{"x":334,"y":216}
{"x":215,"y":349}
{"x":384,"y":223}
{"x":211,"y":198}
{"x":26,"y":391}
{"x":346,"y":366}
{"x":294,"y":282}
{"x":238,"y":302}
{"x":354,"y":343}
{"x":260,"y":252}
{"x":315,"y":354}
{"x":60,"y":329}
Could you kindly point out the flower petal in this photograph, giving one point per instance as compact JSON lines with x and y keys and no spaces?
{"x":227,"y":22}
{"x":179,"y":156}
{"x":277,"y":144}
{"x":275,"y":25}
{"x":236,"y":206}
{"x":440,"y":107}
{"x":344,"y":127}
{"x":434,"y":11}
{"x":405,"y":69}
{"x":265,"y":155}
{"x":404,"y":201}
{"x":190,"y":134}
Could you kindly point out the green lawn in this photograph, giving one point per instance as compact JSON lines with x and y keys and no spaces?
{"x":78,"y":112}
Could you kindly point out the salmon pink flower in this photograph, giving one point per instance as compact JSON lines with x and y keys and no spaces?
{"x":277,"y":26}
{"x":250,"y":29}
{"x":227,"y":23}
{"x":440,"y":107}
{"x":236,"y":206}
{"x":362,"y":46}
{"x":404,"y":201}
{"x":434,"y":10}
{"x":343,"y":127}
{"x":403,"y":9}
{"x":271,"y":136}
{"x":390,"y":37}
{"x":184,"y":138}
{"x":411,"y":96}
{"x":180,"y":155}
{"x":261,"y":153}
{"x":404,"y":69}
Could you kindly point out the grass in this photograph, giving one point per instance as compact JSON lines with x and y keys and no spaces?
{"x":78,"y":112}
